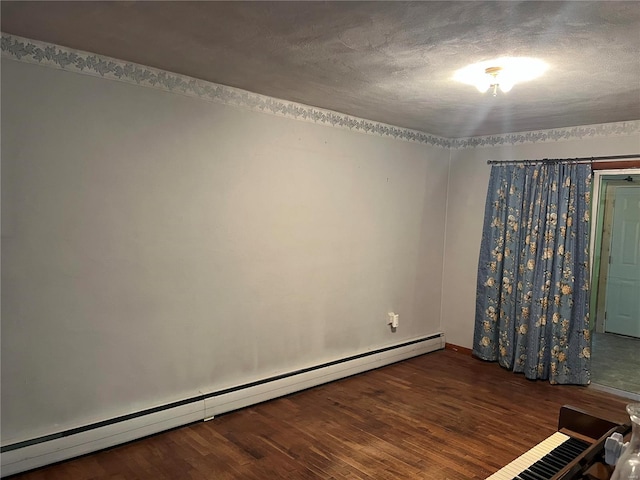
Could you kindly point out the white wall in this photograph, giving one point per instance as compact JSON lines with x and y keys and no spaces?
{"x":155,"y":246}
{"x":469,"y":178}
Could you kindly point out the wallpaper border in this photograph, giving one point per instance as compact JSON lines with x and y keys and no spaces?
{"x":552,"y":135}
{"x":55,"y":56}
{"x":42,"y":53}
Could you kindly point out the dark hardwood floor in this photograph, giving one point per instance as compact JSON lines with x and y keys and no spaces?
{"x":443,"y":415}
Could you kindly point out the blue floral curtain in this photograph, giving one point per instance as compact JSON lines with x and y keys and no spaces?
{"x":532,"y":303}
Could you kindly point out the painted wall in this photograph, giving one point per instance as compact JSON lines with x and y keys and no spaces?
{"x":155,"y":246}
{"x":469,"y":177}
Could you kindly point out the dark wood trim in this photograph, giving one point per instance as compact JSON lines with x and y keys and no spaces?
{"x":615,"y":165}
{"x":458,"y":349}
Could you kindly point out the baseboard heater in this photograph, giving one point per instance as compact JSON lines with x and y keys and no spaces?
{"x":37,"y":452}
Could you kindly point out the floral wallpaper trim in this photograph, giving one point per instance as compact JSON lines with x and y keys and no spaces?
{"x":553,"y":135}
{"x":32,"y":51}
{"x":47,"y":54}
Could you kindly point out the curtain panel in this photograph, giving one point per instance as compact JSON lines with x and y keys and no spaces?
{"x":532,"y":302}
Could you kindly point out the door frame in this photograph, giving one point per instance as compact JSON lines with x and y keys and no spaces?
{"x":595,"y":240}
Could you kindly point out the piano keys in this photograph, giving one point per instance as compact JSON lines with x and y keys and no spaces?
{"x":565,"y":455}
{"x":544,"y":460}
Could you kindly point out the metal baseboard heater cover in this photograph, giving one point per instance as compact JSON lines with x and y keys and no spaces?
{"x":37,"y":452}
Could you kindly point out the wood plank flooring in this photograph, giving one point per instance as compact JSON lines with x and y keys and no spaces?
{"x":443,"y":415}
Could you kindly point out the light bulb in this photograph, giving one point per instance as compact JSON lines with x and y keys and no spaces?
{"x":506,"y":86}
{"x":483,"y":84}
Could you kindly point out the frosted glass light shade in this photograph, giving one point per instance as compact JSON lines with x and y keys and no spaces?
{"x":505,"y":85}
{"x":483,"y":84}
{"x":513,"y":70}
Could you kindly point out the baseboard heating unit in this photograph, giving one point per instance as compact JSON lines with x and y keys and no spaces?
{"x":37,"y":452}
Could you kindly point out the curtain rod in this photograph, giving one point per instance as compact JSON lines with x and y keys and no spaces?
{"x":566,"y":160}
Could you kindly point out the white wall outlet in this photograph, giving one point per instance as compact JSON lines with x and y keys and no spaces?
{"x":390,"y":320}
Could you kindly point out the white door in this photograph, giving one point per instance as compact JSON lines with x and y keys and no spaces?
{"x":623,"y":282}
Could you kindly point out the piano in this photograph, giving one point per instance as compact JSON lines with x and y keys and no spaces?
{"x":575,"y":451}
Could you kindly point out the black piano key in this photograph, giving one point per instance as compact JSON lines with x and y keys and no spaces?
{"x":543,"y":469}
{"x":549,"y":458}
{"x":540,"y":470}
{"x":568,"y":447}
{"x":529,"y":475}
{"x":577,"y":441}
{"x":568,"y":452}
{"x":573,"y":450}
{"x":554,"y":461}
{"x":561,"y":455}
{"x":576,"y":444}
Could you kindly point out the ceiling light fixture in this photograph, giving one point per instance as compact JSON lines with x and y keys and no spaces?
{"x":501,"y":73}
{"x":491,"y":80}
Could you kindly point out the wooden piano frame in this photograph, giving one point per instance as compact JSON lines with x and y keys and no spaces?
{"x":589,"y":465}
{"x":586,"y":435}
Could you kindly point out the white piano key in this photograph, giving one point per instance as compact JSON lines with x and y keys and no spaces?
{"x":530,"y":457}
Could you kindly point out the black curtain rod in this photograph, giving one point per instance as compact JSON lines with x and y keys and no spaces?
{"x":566,"y":160}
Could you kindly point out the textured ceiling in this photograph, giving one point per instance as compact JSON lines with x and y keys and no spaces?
{"x":386,"y":61}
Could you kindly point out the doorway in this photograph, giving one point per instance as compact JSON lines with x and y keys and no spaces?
{"x":615,"y":299}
